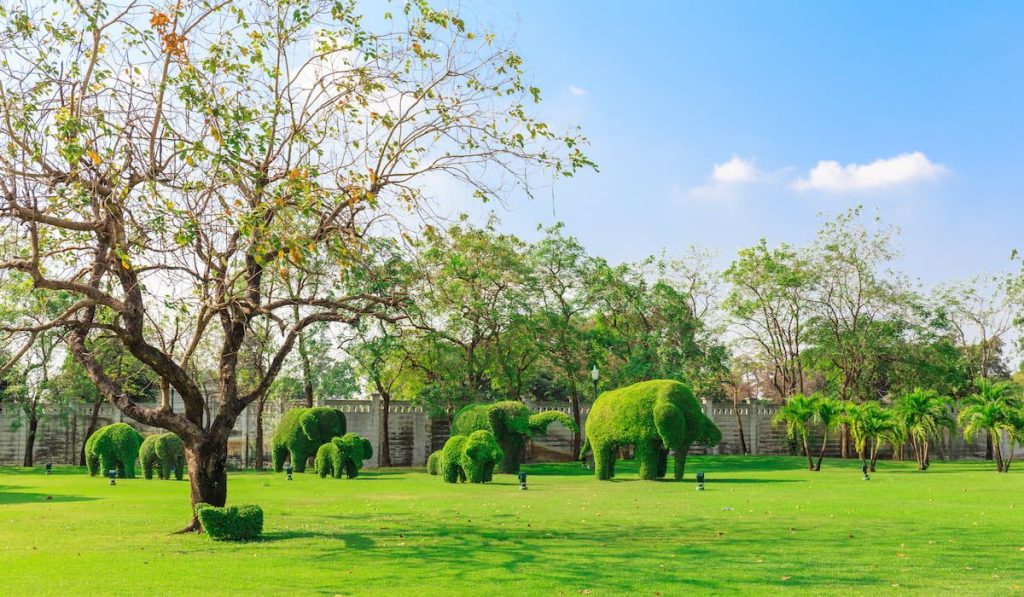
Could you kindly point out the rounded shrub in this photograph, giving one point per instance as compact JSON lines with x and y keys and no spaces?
{"x":162,"y":451}
{"x":435,"y":462}
{"x":343,"y":455}
{"x":111,"y":447}
{"x":653,"y":417}
{"x":232,"y":523}
{"x":468,"y":457}
{"x":512,"y":424}
{"x":301,"y":432}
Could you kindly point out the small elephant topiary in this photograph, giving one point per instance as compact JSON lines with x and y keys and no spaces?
{"x":512,"y":424}
{"x":343,"y":455}
{"x":162,"y":451}
{"x":653,"y":417}
{"x":111,"y":447}
{"x":232,"y":523}
{"x":470,"y":457}
{"x":301,"y":432}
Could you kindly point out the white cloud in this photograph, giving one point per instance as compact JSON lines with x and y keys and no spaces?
{"x":577,"y":91}
{"x":726,"y":176}
{"x":832,"y":177}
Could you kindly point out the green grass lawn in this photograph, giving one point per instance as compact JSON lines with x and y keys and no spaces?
{"x":763,"y":525}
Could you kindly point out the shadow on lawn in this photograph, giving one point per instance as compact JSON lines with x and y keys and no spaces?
{"x":37,"y":498}
{"x":351,"y":541}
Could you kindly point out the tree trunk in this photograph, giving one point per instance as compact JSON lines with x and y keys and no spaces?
{"x":997,"y":453}
{"x":739,"y":427}
{"x":385,"y":429}
{"x":844,"y":441}
{"x":874,"y":457}
{"x":90,"y":429}
{"x":821,"y":453}
{"x":207,"y":474}
{"x":307,"y":383}
{"x":30,"y":440}
{"x":259,"y":434}
{"x":807,"y":452}
{"x":574,"y":403}
{"x":989,"y":452}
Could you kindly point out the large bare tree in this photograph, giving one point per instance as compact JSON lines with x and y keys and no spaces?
{"x":171,"y":166}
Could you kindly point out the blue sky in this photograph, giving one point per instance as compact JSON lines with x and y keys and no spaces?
{"x":667,"y":91}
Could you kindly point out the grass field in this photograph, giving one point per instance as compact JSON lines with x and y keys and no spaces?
{"x":764,"y":525}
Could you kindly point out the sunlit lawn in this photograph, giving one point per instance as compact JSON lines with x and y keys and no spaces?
{"x":763,"y":525}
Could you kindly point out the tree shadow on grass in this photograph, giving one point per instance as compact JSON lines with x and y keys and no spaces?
{"x":350,"y":540}
{"x":38,"y":498}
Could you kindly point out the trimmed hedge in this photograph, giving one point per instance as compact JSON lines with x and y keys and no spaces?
{"x":114,"y":446}
{"x":232,"y":523}
{"x":301,"y":432}
{"x":343,"y":455}
{"x":511,"y":423}
{"x":653,"y":417}
{"x":161,"y":451}
{"x":435,"y":462}
{"x":469,"y":457}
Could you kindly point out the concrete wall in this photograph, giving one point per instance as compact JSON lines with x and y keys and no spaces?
{"x":414,"y":435}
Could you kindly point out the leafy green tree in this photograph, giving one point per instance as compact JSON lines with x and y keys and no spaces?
{"x":797,"y":415}
{"x":314,"y":129}
{"x":870,"y":426}
{"x":992,"y":408}
{"x":923,"y":414}
{"x":827,"y":413}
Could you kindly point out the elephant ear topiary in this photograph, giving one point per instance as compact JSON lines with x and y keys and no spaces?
{"x":301,"y":432}
{"x":162,"y":451}
{"x":511,"y":423}
{"x":112,"y":447}
{"x":653,"y":417}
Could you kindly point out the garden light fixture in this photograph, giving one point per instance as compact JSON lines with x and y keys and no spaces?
{"x":522,"y":480}
{"x":700,"y":481}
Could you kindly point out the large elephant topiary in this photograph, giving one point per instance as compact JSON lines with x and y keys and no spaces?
{"x":162,"y":451}
{"x":301,"y":432}
{"x":653,"y":417}
{"x":343,"y":455}
{"x":512,"y":424}
{"x":113,"y":447}
{"x":470,"y":457}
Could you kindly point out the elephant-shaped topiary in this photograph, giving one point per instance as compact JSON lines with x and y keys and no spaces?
{"x":162,"y":451}
{"x":470,"y":457}
{"x":512,"y":424}
{"x":343,"y":455}
{"x":113,"y":447}
{"x":301,"y":432}
{"x":653,"y":417}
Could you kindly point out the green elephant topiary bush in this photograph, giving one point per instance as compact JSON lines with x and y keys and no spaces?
{"x":470,"y":457}
{"x":343,"y":455}
{"x":512,"y":424}
{"x":653,"y":417}
{"x":301,"y":432}
{"x":162,"y":451}
{"x":115,"y":446}
{"x":231,"y":523}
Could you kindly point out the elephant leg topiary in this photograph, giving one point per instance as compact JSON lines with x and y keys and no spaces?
{"x":653,"y":417}
{"x":301,"y":432}
{"x":114,"y":447}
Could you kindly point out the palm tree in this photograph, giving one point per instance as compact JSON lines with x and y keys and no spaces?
{"x":796,"y":415}
{"x":923,"y":413}
{"x":884,"y":427}
{"x":1015,"y":432}
{"x":992,"y":408}
{"x":828,"y":412}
